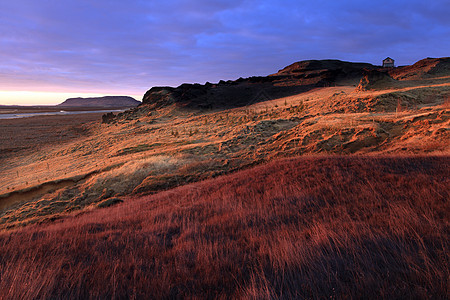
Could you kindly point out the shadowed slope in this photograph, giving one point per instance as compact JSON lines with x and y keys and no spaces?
{"x":297,"y":78}
{"x":356,"y":227}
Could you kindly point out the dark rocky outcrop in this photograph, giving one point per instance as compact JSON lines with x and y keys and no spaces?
{"x":294,"y":79}
{"x":374,"y":79}
{"x":108,"y":118}
{"x":106,"y":101}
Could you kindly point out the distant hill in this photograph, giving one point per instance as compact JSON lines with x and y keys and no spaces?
{"x":106,"y":101}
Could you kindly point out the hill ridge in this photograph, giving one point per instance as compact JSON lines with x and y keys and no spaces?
{"x":294,"y":79}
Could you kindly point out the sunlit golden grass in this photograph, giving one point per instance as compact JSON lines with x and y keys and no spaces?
{"x":129,"y":175}
{"x":207,"y":143}
{"x":312,"y":227}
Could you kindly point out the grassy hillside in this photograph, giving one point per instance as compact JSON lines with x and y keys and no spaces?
{"x":50,"y":167}
{"x":322,"y":227}
{"x":148,"y":150}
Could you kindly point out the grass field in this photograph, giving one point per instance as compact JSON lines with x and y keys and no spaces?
{"x":56,"y":164}
{"x":305,"y":184}
{"x":309,"y":227}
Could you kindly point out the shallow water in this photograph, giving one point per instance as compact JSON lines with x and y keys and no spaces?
{"x":53,"y":113}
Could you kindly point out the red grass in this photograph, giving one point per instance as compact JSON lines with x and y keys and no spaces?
{"x":345,"y":227}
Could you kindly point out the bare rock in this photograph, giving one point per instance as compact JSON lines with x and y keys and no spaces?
{"x":108,"y":118}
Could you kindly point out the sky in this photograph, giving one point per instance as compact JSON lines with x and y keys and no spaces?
{"x":54,"y":49}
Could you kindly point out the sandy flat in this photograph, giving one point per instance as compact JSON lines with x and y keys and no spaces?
{"x":27,"y":134}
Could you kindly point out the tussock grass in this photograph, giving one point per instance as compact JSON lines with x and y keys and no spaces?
{"x":312,"y":227}
{"x":123,"y":179}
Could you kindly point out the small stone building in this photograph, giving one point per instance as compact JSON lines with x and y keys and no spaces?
{"x":388,"y":62}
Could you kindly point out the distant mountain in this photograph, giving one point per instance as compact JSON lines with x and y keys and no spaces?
{"x":106,"y":101}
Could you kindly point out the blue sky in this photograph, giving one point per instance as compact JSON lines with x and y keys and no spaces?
{"x":126,"y":47}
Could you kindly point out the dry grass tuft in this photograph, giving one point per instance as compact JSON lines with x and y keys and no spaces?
{"x":314,"y":227}
{"x":123,"y":179}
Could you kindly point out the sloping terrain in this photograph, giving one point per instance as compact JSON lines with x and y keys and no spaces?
{"x":311,"y":227}
{"x":424,"y":69}
{"x":173,"y":140}
{"x":297,"y":78}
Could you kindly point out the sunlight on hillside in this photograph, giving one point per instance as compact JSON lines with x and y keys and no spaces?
{"x":309,"y":183}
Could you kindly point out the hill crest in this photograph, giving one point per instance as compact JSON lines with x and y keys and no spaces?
{"x":297,"y":78}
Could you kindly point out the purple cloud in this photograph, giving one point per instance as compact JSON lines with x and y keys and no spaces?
{"x":128,"y":46}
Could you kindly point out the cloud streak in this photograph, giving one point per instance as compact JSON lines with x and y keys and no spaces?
{"x":128,"y":46}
